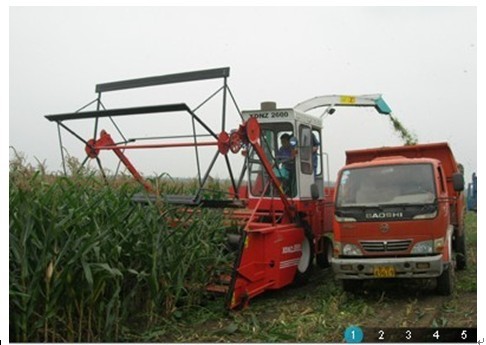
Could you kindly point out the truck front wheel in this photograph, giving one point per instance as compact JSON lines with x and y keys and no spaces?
{"x":323,"y":259}
{"x":445,"y":282}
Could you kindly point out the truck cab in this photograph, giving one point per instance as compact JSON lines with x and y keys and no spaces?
{"x":399,"y":214}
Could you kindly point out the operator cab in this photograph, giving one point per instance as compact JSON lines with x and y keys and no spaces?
{"x":292,"y":143}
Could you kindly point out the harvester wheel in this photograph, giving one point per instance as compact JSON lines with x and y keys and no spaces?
{"x":323,"y":259}
{"x":304,"y":267}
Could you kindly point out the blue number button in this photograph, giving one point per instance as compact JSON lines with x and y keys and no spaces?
{"x":353,"y":334}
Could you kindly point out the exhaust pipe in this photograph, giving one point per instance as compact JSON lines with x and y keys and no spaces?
{"x":267,"y":106}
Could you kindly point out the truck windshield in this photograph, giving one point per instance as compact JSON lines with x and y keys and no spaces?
{"x":407,"y":184}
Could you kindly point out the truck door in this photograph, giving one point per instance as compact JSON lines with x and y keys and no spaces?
{"x":305,"y":167}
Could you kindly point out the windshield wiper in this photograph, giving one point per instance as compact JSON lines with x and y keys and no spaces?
{"x":405,"y":204}
{"x":401,"y":204}
{"x":358,"y":206}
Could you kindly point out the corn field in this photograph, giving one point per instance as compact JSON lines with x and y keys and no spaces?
{"x":87,"y":264}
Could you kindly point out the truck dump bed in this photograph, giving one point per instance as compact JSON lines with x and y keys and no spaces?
{"x":439,"y":151}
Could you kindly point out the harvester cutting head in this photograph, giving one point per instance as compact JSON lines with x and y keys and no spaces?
{"x":198,"y":139}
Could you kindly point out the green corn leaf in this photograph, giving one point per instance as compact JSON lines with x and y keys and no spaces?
{"x":87,"y":273}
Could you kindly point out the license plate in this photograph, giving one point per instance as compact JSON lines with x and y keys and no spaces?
{"x":384,"y":271}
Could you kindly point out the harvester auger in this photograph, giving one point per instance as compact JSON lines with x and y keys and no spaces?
{"x":283,"y":211}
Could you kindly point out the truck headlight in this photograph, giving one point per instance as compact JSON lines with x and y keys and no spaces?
{"x":439,"y":245}
{"x":344,"y":219}
{"x":426,"y":215}
{"x":351,"y":250}
{"x":337,"y":248}
{"x":424,"y":247}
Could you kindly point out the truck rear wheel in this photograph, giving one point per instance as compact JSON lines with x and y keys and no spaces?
{"x":445,"y":282}
{"x":461,"y":258}
{"x":304,"y":267}
{"x":323,"y":259}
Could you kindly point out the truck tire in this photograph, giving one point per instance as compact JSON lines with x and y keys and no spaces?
{"x":461,"y":255}
{"x":352,"y":286}
{"x":445,"y":282}
{"x":323,"y":259}
{"x":304,"y":267}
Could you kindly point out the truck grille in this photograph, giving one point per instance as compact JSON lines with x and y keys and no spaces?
{"x":386,"y":246}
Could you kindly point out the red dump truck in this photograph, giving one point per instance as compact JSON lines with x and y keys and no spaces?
{"x":399,"y":213}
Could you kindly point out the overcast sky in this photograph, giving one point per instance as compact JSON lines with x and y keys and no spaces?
{"x":422,"y":59}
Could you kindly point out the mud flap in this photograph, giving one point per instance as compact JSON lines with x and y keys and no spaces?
{"x":267,"y":260}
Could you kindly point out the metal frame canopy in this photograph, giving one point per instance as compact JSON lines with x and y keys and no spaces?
{"x":164,"y":79}
{"x":94,"y":145}
{"x":119,"y":112}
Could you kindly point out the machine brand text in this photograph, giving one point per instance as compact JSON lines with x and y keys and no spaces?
{"x":292,"y":249}
{"x":382,"y":215}
{"x":271,"y":115}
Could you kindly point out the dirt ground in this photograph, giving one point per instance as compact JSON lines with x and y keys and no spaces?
{"x":382,"y":304}
{"x":425,"y":309}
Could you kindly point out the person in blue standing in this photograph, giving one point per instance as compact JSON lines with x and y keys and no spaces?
{"x":285,"y":157}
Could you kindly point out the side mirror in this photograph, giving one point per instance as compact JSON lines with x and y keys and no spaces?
{"x":458,"y":182}
{"x":314,"y":191}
